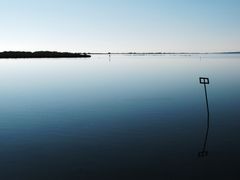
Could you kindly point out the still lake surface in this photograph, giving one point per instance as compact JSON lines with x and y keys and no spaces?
{"x":124,"y":117}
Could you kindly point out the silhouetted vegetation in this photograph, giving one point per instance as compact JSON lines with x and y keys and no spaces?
{"x":42,"y":54}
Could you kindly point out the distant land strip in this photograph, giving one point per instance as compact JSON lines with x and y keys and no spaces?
{"x":163,"y":53}
{"x":42,"y":54}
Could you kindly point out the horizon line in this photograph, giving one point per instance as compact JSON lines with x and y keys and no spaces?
{"x":132,"y":52}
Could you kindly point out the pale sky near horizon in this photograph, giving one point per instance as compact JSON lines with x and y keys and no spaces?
{"x":120,"y":25}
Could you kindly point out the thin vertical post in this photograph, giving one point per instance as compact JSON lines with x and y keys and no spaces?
{"x":204,"y":151}
{"x":109,"y":55}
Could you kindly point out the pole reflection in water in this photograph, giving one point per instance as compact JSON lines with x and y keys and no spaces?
{"x":204,"y":151}
{"x":109,"y":57}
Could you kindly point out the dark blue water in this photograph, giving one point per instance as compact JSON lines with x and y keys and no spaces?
{"x":128,"y":117}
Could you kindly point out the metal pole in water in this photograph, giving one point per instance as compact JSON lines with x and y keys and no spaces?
{"x":204,"y":152}
{"x":109,"y":55}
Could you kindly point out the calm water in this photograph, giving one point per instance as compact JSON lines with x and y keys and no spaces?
{"x":128,"y":117}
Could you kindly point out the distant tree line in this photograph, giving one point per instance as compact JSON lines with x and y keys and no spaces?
{"x":42,"y":54}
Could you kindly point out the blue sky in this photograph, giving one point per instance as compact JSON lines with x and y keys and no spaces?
{"x":120,"y":25}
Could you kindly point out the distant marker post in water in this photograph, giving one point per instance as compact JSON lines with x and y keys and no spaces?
{"x":205,"y":82}
{"x":109,"y":55}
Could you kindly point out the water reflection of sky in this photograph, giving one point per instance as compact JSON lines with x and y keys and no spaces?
{"x":132,"y":117}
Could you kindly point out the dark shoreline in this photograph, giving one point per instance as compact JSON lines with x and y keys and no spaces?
{"x":41,"y":54}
